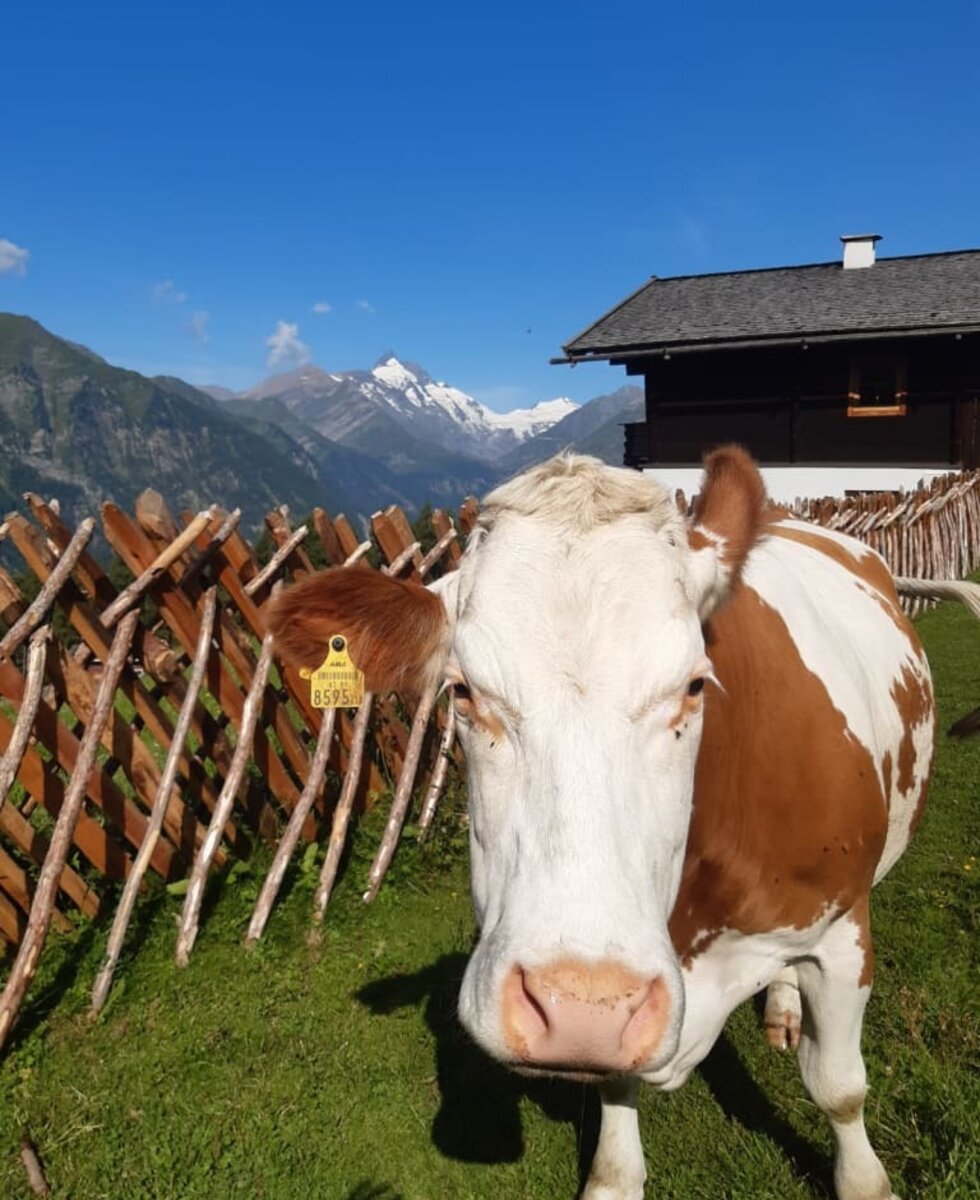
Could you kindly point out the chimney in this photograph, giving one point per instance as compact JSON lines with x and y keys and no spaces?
{"x":859,"y":250}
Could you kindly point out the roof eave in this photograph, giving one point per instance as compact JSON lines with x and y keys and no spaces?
{"x":658,"y":349}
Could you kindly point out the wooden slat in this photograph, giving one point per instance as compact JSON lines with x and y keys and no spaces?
{"x":442,"y":526}
{"x":36,"y":611}
{"x":154,"y":516}
{"x":15,"y":881}
{"x":392,"y":541}
{"x":27,"y":839}
{"x":121,"y":812}
{"x":403,"y":529}
{"x":85,"y":620}
{"x":127,"y":902}
{"x":349,"y":541}
{"x":38,"y":923}
{"x":208,"y":544}
{"x":277,"y":562}
{"x":277,"y":523}
{"x":469,"y":510}
{"x":78,"y":686}
{"x":12,"y":603}
{"x":155,"y":570}
{"x":179,"y":613}
{"x":27,"y":709}
{"x":96,"y":843}
{"x":190,"y":915}
{"x":12,"y":921}
{"x":93,"y":580}
{"x":323,"y":527}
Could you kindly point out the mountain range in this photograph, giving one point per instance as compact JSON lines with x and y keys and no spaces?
{"x":75,"y":427}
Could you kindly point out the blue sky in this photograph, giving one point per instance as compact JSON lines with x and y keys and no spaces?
{"x":467,"y":184}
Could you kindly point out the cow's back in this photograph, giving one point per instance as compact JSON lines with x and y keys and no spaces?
{"x":817,"y":744}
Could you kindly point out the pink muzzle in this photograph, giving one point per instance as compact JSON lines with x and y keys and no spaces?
{"x":592,"y":1017}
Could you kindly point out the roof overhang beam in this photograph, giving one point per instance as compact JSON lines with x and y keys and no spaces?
{"x":803,"y":341}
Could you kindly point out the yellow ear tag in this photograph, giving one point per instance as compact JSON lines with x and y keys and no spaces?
{"x":336,"y":683}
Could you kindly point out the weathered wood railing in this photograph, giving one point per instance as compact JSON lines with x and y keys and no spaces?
{"x":131,"y":743}
{"x":931,"y":533}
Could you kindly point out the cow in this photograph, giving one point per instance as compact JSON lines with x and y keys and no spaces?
{"x":693,"y":745}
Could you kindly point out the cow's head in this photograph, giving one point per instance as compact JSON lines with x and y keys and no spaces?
{"x":572,"y":637}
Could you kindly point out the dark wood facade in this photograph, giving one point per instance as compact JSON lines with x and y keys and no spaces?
{"x":900,"y":401}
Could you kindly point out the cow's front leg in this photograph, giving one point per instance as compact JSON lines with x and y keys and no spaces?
{"x":835,"y":989}
{"x":618,"y":1170}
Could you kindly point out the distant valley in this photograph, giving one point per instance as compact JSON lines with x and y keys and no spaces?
{"x":75,"y":427}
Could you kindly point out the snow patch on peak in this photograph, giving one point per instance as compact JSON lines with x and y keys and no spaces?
{"x":394,"y":373}
{"x":527,"y":422}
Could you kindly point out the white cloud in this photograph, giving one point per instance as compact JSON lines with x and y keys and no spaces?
{"x":167,"y":292}
{"x":322,"y":306}
{"x":364,"y":306}
{"x":13,"y":258}
{"x":197,"y":327}
{"x":285,"y":347}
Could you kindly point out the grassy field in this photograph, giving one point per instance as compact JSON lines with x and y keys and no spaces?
{"x":339,"y":1072}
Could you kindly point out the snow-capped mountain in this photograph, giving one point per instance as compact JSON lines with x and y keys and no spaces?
{"x":527,"y":423}
{"x":377,"y":407}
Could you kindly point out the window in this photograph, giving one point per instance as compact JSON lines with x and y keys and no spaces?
{"x":878,"y":386}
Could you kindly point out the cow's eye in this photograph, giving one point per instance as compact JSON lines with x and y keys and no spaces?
{"x":696,"y":686}
{"x":462,"y":699}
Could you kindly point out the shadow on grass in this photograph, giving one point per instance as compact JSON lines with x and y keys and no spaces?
{"x":741,"y":1099}
{"x":39,"y":1005}
{"x":479,"y":1118}
{"x":367,"y":1190}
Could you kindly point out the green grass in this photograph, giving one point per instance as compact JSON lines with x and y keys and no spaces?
{"x":339,"y":1071}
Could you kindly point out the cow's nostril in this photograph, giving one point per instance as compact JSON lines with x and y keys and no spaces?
{"x":525,"y":1016}
{"x":535,"y":1004}
{"x":647,"y":1023}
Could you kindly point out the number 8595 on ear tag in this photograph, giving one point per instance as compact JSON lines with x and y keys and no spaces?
{"x":336,"y":682}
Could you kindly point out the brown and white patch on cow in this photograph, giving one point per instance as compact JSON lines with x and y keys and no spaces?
{"x":908,"y":773}
{"x":906,"y":737}
{"x":852,"y":555}
{"x":764,"y":810}
{"x":859,"y":670}
{"x":870,"y":571}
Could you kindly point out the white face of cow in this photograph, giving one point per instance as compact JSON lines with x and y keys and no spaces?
{"x":572,"y":635}
{"x":580,"y":663}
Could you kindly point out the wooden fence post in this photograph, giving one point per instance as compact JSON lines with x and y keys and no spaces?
{"x":243,"y":751}
{"x":27,"y":712}
{"x":121,"y":921}
{"x":39,"y":921}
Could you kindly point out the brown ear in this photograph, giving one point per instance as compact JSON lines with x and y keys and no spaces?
{"x":729,"y":516}
{"x":398,"y":633}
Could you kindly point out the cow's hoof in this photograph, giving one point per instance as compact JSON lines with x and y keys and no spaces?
{"x":783,"y":1030}
{"x":602,"y":1191}
{"x":621,"y":1186}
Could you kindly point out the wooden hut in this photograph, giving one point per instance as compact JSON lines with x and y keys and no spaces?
{"x":861,"y":374}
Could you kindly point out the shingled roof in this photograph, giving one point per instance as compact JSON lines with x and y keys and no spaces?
{"x":926,"y":293}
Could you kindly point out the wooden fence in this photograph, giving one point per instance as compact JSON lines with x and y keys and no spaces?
{"x":165,"y":743}
{"x":931,"y":533}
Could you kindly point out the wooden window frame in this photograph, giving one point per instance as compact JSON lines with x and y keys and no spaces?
{"x":899,"y":408}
